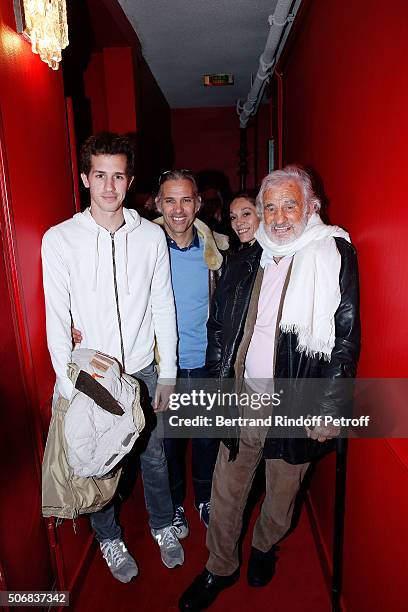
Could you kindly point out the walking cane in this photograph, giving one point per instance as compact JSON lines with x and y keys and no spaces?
{"x":338,"y":531}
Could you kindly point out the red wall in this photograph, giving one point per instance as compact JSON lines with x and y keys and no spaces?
{"x":122,"y":91}
{"x":95,"y":90}
{"x":112,"y":90}
{"x":35,"y":135}
{"x":36,"y":193}
{"x":345,"y":115}
{"x":206,"y":138}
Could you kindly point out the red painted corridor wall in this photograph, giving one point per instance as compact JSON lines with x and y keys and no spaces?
{"x":346,"y":116}
{"x":36,"y":193}
{"x":208,"y":138}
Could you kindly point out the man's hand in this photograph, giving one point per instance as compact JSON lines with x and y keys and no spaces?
{"x":76,"y":336}
{"x":162,"y":397}
{"x":322,"y":433}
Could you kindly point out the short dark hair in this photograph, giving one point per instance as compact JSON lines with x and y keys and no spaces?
{"x":177,"y":175}
{"x":107,"y":143}
{"x":246,"y":195}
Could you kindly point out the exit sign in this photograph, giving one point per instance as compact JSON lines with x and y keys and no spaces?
{"x":218,"y":80}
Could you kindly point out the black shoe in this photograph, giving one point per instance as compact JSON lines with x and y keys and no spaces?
{"x":204,"y":590}
{"x":261,"y":566}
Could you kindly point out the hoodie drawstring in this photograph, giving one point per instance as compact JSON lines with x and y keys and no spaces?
{"x":126,"y":265}
{"x":96,"y":262}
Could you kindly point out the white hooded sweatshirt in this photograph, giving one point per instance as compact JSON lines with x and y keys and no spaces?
{"x":114,"y":288}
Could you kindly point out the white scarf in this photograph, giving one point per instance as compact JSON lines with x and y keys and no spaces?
{"x":313,"y":293}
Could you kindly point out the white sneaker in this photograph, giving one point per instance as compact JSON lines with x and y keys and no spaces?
{"x":171,"y":551}
{"x":180,"y":523}
{"x":121,"y":564}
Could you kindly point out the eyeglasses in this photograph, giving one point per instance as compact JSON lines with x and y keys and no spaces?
{"x":166,"y":175}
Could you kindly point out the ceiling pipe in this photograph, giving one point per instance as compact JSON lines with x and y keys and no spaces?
{"x":280,"y":23}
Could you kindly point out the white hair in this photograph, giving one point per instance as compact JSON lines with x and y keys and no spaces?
{"x":289,"y":173}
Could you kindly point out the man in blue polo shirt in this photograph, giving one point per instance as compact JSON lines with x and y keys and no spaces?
{"x":196,"y":262}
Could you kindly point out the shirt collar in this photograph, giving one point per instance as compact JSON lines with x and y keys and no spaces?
{"x":195,"y":243}
{"x":118,"y":228}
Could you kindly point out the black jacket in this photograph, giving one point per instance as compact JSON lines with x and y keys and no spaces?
{"x":225,"y":331}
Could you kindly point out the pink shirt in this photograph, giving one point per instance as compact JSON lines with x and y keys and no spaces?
{"x":259,"y":358}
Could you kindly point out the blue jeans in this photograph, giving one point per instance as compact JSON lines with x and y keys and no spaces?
{"x":155,"y":479}
{"x":204,"y":453}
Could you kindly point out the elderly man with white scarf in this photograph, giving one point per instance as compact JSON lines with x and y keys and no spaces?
{"x":291,"y":311}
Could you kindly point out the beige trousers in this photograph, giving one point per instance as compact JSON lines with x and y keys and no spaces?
{"x":230,"y":489}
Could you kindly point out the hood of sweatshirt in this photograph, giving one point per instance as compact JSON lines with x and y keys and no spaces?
{"x":85,"y":220}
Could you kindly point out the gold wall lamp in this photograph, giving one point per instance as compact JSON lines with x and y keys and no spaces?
{"x":44,"y":23}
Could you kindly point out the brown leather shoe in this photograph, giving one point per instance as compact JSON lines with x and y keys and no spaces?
{"x":204,"y":590}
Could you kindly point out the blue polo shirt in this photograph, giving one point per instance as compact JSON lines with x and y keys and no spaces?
{"x":189,"y":275}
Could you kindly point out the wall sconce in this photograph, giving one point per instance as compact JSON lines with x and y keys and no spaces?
{"x":44,"y":23}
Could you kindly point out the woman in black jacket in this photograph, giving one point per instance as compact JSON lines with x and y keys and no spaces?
{"x":234,"y":290}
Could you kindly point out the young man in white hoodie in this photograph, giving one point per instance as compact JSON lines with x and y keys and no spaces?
{"x":106,"y":270}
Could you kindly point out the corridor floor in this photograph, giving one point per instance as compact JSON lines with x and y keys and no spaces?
{"x":298,"y":585}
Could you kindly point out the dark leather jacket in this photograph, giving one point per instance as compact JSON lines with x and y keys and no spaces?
{"x":225,"y":331}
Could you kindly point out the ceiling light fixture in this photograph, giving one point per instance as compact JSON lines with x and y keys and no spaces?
{"x":44,"y":23}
